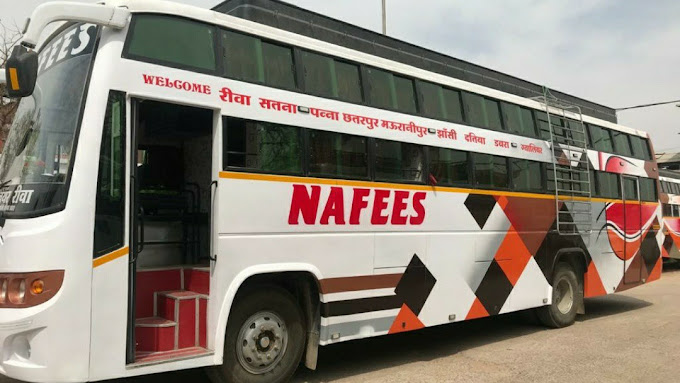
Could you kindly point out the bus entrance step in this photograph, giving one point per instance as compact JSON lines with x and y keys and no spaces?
{"x":189,"y":310}
{"x":155,"y":334}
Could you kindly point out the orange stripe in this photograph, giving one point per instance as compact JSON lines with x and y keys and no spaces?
{"x":384,"y":185}
{"x":14,"y":78}
{"x":110,"y":257}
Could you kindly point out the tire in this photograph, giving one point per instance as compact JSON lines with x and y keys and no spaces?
{"x":276,"y":320}
{"x":565,"y":297}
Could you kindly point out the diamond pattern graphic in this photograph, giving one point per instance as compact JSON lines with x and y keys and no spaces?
{"x":494,"y":289}
{"x":512,"y":256}
{"x":480,"y":206}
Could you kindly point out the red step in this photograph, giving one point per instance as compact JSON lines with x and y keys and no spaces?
{"x":155,"y":334}
{"x":172,"y":307}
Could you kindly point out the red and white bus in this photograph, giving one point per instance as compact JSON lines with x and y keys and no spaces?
{"x":670,"y":199}
{"x":183,"y":188}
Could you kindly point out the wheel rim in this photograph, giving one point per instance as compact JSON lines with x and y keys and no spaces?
{"x":564,"y":296}
{"x":262,"y":342}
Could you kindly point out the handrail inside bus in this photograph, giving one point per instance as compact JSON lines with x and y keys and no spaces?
{"x":99,"y":14}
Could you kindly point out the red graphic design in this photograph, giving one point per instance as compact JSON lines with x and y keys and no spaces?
{"x":592,"y":283}
{"x":477,"y":310}
{"x":406,"y":320}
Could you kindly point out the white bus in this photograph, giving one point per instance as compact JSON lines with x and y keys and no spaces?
{"x":182,"y":188}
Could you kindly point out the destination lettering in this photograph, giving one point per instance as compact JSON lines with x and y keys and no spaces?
{"x":9,"y":199}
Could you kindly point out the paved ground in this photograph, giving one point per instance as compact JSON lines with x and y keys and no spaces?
{"x":633,"y":336}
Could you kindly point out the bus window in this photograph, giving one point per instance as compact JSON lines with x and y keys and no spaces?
{"x":337,"y":155}
{"x":640,"y":148}
{"x":398,"y":161}
{"x":526,"y":175}
{"x":518,"y":120}
{"x":193,"y":44}
{"x":453,"y":104}
{"x":608,"y":185}
{"x":482,"y":112}
{"x":278,"y":66}
{"x":622,"y":144}
{"x":601,"y":139}
{"x":449,"y":167}
{"x":431,"y":99}
{"x":648,"y":190}
{"x":331,"y":78}
{"x":262,"y":147}
{"x":490,"y":171}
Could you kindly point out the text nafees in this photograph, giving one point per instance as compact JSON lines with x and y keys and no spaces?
{"x":396,"y":207}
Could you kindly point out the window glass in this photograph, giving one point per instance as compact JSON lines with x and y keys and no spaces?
{"x":448,"y":166}
{"x":526,"y":175}
{"x":192,"y":44}
{"x":648,"y":190}
{"x":431,"y":100}
{"x":242,"y":57}
{"x":608,"y":185}
{"x":474,"y":109}
{"x":278,"y":66}
{"x":348,"y":82}
{"x":490,"y":171}
{"x":640,"y":148}
{"x":630,"y":189}
{"x":577,"y":132}
{"x":667,"y":210}
{"x":676,"y":210}
{"x":676,"y":188}
{"x":381,"y":92}
{"x":319,"y":74}
{"x":493,"y":114}
{"x":398,"y":161}
{"x":406,"y":96}
{"x":542,"y":124}
{"x":336,"y":154}
{"x":601,"y":139}
{"x":568,"y":181}
{"x":453,"y":105}
{"x":621,"y":143}
{"x":109,"y":222}
{"x":518,"y":120}
{"x":262,"y":146}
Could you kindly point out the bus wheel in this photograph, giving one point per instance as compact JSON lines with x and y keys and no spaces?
{"x":265,"y":339}
{"x":562,"y":311}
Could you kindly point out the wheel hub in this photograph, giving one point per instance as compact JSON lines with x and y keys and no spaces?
{"x":262,"y":342}
{"x":564,"y":294}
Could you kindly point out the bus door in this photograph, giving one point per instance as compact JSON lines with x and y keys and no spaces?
{"x":633,"y":230}
{"x":174,"y":171}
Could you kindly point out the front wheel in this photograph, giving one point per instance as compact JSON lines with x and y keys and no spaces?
{"x":565,"y":296}
{"x":265,"y":339}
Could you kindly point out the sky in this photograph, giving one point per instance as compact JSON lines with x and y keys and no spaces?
{"x":612,"y":52}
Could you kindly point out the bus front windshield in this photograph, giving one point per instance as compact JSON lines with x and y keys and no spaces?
{"x":36,"y":161}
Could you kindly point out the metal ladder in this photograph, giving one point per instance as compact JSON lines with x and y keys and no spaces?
{"x":570,"y":165}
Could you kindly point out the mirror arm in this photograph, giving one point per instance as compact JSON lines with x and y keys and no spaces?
{"x":46,"y":13}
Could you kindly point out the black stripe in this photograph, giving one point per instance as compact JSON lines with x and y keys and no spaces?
{"x":358,"y":306}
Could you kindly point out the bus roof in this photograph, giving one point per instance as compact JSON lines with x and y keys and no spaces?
{"x":301,"y":21}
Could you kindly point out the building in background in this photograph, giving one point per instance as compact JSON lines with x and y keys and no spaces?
{"x":670,"y":161}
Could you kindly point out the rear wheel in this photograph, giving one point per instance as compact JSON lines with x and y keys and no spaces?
{"x":565,"y":296}
{"x":265,"y":339}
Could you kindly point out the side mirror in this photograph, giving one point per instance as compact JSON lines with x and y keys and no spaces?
{"x":21,"y":72}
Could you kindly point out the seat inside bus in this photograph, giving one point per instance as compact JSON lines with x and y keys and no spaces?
{"x":173,"y":165}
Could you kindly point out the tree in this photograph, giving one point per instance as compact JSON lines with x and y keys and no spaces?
{"x":9,"y":37}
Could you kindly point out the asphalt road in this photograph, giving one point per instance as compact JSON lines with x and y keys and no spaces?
{"x":632,"y":336}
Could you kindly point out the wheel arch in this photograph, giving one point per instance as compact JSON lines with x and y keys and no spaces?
{"x":269,"y":274}
{"x":578,"y":260}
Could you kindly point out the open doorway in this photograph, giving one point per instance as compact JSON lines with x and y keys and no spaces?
{"x":171,"y":219}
